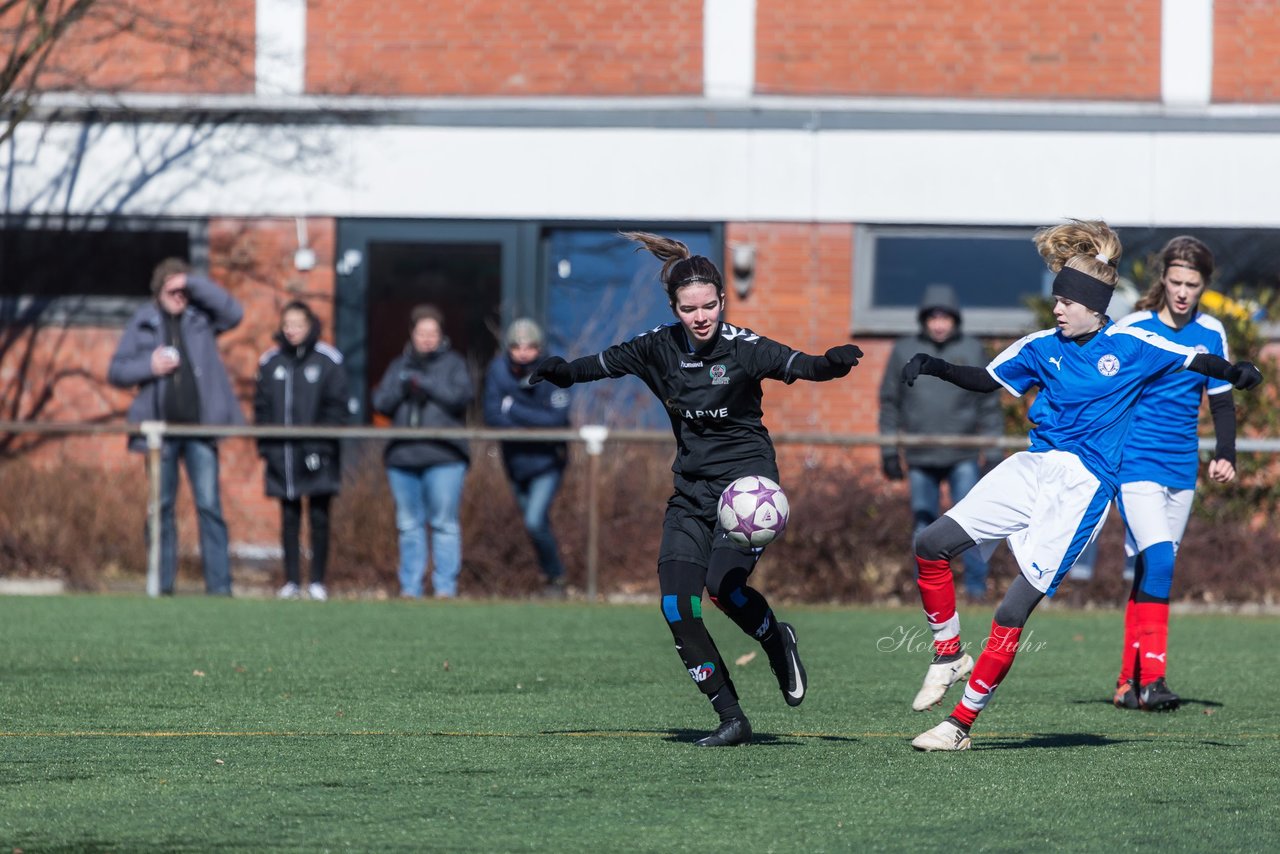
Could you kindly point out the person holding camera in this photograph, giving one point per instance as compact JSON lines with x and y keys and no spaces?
{"x":169,"y":352}
{"x":427,"y":386}
{"x":301,"y":382}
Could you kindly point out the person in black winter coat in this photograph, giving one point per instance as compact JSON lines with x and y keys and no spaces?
{"x":933,"y":406}
{"x":301,"y":382}
{"x":534,"y":468}
{"x":427,"y":386}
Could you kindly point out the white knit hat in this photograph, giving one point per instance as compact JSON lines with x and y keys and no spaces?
{"x":524,"y":330}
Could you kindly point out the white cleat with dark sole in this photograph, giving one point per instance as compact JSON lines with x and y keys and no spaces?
{"x":945,"y":736}
{"x":940,"y":677}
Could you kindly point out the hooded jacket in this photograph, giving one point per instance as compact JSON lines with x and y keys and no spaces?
{"x":446,"y":385}
{"x":210,"y":312}
{"x":510,"y":401}
{"x":933,"y":405}
{"x":303,"y":385}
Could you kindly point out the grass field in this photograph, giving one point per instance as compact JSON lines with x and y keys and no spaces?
{"x":196,"y":724}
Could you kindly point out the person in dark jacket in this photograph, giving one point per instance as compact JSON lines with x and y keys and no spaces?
{"x":534,"y":468}
{"x":933,"y":406}
{"x":427,"y":386}
{"x":169,"y":351}
{"x":301,"y":382}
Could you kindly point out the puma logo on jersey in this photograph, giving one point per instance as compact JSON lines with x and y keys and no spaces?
{"x":1159,"y":658}
{"x":1057,"y":362}
{"x":932,"y":616}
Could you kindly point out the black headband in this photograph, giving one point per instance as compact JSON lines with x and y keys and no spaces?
{"x":1076,"y":286}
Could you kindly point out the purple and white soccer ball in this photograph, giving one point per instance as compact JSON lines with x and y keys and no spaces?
{"x":754,"y":511}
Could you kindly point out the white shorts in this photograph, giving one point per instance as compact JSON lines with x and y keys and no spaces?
{"x":1046,"y":504}
{"x":1153,"y":514}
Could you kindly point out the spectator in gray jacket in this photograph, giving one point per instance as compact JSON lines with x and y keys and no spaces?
{"x":169,"y":351}
{"x":427,"y":386}
{"x":934,"y":406}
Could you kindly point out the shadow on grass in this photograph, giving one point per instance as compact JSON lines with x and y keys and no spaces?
{"x":689,"y":736}
{"x":1186,"y":701}
{"x":1051,"y":740}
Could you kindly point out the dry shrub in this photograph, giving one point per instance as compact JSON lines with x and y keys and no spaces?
{"x":80,"y":524}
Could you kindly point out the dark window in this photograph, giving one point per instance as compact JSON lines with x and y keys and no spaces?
{"x":81,"y":275}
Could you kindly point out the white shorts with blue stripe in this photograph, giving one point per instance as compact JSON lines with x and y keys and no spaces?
{"x":1046,"y":504}
{"x":1153,"y":514}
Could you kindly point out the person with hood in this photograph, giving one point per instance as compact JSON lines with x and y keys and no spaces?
{"x":301,"y":382}
{"x":169,"y":352}
{"x":534,"y":468}
{"x":933,"y":406}
{"x":427,"y":386}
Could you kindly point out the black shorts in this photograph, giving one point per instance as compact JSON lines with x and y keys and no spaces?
{"x":690,"y":530}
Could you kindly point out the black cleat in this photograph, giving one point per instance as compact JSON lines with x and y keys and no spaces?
{"x":1126,"y":695}
{"x":790,"y":672}
{"x":1155,"y":696}
{"x":730,"y":733}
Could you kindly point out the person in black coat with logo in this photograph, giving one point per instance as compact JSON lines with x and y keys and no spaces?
{"x":301,"y":381}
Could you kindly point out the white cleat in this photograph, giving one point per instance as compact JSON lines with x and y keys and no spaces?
{"x":945,"y":736}
{"x":289,"y":591}
{"x":939,"y":678}
{"x":317,"y":593}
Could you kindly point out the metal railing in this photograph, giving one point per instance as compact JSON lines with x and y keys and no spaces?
{"x":593,"y":437}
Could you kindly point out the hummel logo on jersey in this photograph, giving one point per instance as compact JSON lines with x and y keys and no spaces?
{"x":729,"y":333}
{"x":703,"y":671}
{"x":691,"y":364}
{"x":1159,"y":657}
{"x":1057,"y":362}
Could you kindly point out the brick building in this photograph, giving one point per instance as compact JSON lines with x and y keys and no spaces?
{"x":481,"y":155}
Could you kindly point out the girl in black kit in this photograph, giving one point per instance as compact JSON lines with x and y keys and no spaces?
{"x":708,"y":374}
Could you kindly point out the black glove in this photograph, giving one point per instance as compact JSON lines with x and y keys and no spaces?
{"x":843,"y":358}
{"x":891,"y":465}
{"x":1244,"y":375}
{"x":921,"y":363}
{"x":415,"y":386}
{"x":554,"y":370}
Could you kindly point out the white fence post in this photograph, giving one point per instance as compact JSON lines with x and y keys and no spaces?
{"x":594,"y":435}
{"x":154,"y":432}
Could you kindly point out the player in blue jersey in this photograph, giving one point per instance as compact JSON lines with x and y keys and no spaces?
{"x":1161,"y":461}
{"x":708,"y":374}
{"x":1049,"y":501}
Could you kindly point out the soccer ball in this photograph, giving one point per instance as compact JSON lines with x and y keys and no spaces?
{"x":753,"y":511}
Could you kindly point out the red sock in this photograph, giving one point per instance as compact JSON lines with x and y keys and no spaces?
{"x":938,"y":595}
{"x":1153,"y":638}
{"x":1129,"y":657}
{"x":993,"y":665}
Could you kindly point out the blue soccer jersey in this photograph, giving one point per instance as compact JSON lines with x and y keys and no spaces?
{"x":1163,"y":446}
{"x":1087,"y":392}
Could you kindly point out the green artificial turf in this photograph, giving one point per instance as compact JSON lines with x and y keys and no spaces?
{"x":196,"y":724}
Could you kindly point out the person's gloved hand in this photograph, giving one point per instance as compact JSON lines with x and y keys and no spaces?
{"x":843,"y":358}
{"x":554,"y":370}
{"x":1244,"y":375}
{"x":921,"y":363}
{"x":415,"y":386}
{"x":891,"y":465}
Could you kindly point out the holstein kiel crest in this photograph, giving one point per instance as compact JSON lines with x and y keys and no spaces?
{"x":1109,"y":365}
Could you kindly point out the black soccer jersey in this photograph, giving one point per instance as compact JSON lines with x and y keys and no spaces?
{"x":712,"y":396}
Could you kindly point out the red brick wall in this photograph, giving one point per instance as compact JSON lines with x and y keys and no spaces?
{"x":1089,"y":49}
{"x":158,"y":46}
{"x":1246,"y":51}
{"x":489,"y":47}
{"x":802,"y":295}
